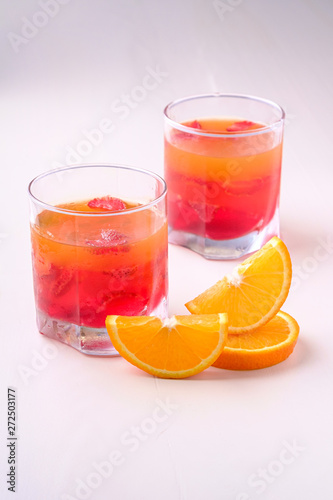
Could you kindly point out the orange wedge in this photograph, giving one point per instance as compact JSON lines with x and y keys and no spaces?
{"x":253,"y":293}
{"x":174,"y":348}
{"x":268,"y":345}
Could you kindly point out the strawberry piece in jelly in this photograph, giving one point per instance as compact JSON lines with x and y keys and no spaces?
{"x":64,"y":278}
{"x":205,"y":212}
{"x":186,"y":135}
{"x":109,"y":241}
{"x":195,"y":124}
{"x":122,"y":273}
{"x":127,"y":304}
{"x":239,"y":126}
{"x":107,"y":203}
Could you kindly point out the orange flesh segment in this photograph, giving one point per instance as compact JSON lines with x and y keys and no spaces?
{"x":267,"y":346}
{"x":181,"y":346}
{"x":253,"y":293}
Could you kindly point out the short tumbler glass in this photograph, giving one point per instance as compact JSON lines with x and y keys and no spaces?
{"x":89,"y":263}
{"x":222,"y":166}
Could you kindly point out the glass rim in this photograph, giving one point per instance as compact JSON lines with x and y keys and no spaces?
{"x":191,"y":130}
{"x":53,"y":208}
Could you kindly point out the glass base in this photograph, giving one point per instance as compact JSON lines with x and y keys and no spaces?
{"x":227,"y":249}
{"x":93,"y":341}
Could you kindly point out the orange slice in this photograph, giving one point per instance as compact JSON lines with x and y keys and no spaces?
{"x":253,"y":293}
{"x":174,"y":348}
{"x":268,"y":345}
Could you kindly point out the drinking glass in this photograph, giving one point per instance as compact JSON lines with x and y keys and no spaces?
{"x":91,"y":259}
{"x":222,"y":166}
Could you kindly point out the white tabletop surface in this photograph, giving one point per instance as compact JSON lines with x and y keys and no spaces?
{"x":222,"y":435}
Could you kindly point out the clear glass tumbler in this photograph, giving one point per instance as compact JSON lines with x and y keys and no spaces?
{"x":99,"y":246}
{"x":223,"y":157}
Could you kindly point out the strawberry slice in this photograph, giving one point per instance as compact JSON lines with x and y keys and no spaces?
{"x":239,"y":126}
{"x":179,"y":135}
{"x":63,"y":280}
{"x":107,"y":203}
{"x":109,"y":241}
{"x":204,"y":211}
{"x":195,"y":124}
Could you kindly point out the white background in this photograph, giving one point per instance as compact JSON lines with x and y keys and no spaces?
{"x":224,"y":427}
